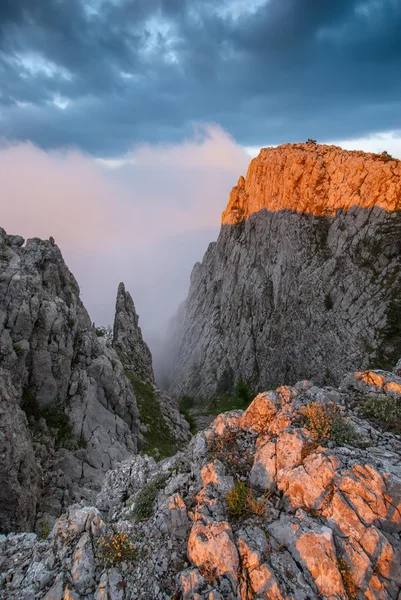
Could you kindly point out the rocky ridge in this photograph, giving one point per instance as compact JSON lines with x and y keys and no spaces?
{"x":304,"y":280}
{"x":68,"y":411}
{"x":321,"y":518}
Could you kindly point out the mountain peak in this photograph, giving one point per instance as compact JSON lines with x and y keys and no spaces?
{"x":317,"y":179}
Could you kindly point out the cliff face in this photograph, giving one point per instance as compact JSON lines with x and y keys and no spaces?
{"x":128,"y":340}
{"x":164,"y":429}
{"x":69,"y":397}
{"x":68,"y":413}
{"x":304,"y":279}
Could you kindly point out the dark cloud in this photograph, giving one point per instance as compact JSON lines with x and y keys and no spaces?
{"x":135,"y":70}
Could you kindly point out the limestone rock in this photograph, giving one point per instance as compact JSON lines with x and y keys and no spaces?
{"x":211,"y":549}
{"x":304,"y":279}
{"x":81,"y":415}
{"x":137,"y":361}
{"x":329,"y":528}
{"x":128,"y":340}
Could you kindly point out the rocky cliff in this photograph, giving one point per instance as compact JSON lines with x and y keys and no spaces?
{"x":304,"y":280}
{"x":68,"y":410}
{"x":297,"y":498}
{"x":163,"y":427}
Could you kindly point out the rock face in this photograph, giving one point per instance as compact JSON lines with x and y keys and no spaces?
{"x":68,"y":405}
{"x":128,"y":340}
{"x":304,"y":280}
{"x":68,"y":413}
{"x":319,"y":519}
{"x":164,"y":428}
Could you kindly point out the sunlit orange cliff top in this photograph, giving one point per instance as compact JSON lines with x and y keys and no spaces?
{"x":317,"y":179}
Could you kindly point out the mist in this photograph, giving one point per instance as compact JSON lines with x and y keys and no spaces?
{"x":144,"y":218}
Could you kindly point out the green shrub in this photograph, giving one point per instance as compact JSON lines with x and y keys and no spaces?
{"x":242,"y":392}
{"x":241,"y":501}
{"x":342,"y":432}
{"x":115,"y":548}
{"x":160,"y":442}
{"x":45,"y":532}
{"x":186,"y":402}
{"x":383,"y":408}
{"x":106,"y":332}
{"x":146,"y":497}
{"x":325,"y":421}
{"x":236,"y":499}
{"x":56,"y":419}
{"x":18,"y":350}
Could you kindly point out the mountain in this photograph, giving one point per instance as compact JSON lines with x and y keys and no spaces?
{"x":304,"y":280}
{"x":68,"y":409}
{"x":296,"y":498}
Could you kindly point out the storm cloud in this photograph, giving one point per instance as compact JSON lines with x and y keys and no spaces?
{"x":106,"y":74}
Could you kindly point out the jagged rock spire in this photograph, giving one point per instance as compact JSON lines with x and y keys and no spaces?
{"x":128,"y":340}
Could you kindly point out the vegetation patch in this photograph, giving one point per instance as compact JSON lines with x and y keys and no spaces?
{"x":115,"y":548}
{"x":239,"y":399}
{"x":325,"y":421}
{"x":146,"y":497}
{"x":384,"y":409}
{"x":18,"y":349}
{"x":57,"y":421}
{"x":160,"y":441}
{"x":241,"y":501}
{"x":185,"y":404}
{"x":104,"y":332}
{"x":348,"y":581}
{"x":231,"y":449}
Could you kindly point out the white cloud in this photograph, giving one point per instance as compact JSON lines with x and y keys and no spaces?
{"x":389,"y":141}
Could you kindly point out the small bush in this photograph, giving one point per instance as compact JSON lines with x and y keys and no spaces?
{"x":146,"y":497}
{"x":106,"y":332}
{"x":56,"y":419}
{"x":241,"y":501}
{"x":325,"y":421}
{"x":18,"y":350}
{"x":190,"y":419}
{"x":342,"y":432}
{"x":319,"y":419}
{"x":385,"y":156}
{"x":236,"y":499}
{"x":186,"y":402}
{"x":228,"y":448}
{"x":349,"y":584}
{"x":383,"y":408}
{"x":242,"y":392}
{"x":114,"y":548}
{"x":46,"y":529}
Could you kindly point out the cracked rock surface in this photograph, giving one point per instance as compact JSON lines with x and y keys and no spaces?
{"x":68,"y":412}
{"x":304,"y":280}
{"x":321,"y":519}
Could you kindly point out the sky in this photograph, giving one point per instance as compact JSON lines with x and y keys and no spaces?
{"x":124,"y":123}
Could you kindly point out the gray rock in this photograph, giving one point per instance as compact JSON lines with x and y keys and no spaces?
{"x":285,"y":295}
{"x":80,"y":407}
{"x":128,"y":340}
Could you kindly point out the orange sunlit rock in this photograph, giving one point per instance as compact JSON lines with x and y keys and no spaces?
{"x":315,"y":179}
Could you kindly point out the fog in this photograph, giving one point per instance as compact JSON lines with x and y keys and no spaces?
{"x":144,"y":218}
